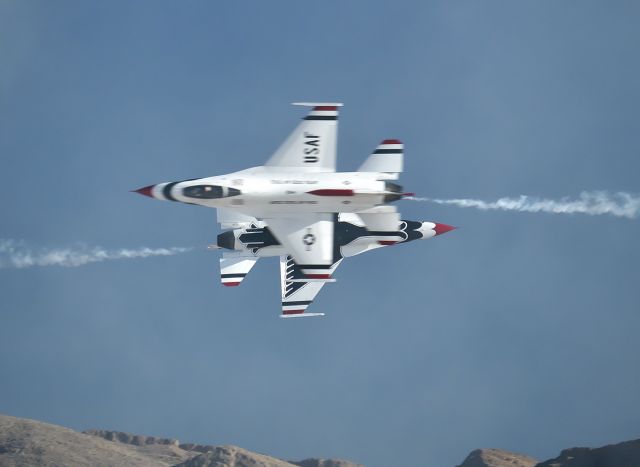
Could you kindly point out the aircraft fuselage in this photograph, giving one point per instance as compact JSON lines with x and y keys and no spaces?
{"x":260,"y":192}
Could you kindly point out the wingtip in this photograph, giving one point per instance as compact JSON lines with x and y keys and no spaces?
{"x":301,"y":315}
{"x":318,"y":104}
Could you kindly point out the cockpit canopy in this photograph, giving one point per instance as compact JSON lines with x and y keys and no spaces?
{"x":210,"y":191}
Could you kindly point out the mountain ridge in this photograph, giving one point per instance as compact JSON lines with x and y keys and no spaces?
{"x":25,"y":442}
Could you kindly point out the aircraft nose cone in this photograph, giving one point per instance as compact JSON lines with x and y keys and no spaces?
{"x":147,"y":191}
{"x":443,"y":228}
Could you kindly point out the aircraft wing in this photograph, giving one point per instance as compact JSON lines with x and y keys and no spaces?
{"x":312,"y":145}
{"x":298,"y":291}
{"x":309,"y":239}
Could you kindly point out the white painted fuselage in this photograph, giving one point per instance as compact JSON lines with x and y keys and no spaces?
{"x":260,"y":192}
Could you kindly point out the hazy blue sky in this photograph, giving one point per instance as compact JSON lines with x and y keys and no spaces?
{"x":519,"y":331}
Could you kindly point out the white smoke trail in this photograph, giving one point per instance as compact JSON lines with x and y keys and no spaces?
{"x":592,"y":203}
{"x":15,"y":254}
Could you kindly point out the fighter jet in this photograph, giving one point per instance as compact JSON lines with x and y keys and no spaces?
{"x":297,"y":207}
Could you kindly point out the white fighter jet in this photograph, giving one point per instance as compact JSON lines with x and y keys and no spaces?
{"x":297,"y":207}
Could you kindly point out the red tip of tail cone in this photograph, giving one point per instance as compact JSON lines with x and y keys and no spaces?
{"x":147,"y":191}
{"x":443,"y":228}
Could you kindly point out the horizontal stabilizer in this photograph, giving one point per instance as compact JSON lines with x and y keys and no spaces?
{"x":234,"y":270}
{"x":381,"y":219}
{"x":387,"y":158}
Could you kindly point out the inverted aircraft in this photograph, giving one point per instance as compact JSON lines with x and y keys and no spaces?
{"x":298,"y":208}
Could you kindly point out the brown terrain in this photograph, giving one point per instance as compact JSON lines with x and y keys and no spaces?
{"x":625,"y":454}
{"x":497,"y":458}
{"x":25,"y":443}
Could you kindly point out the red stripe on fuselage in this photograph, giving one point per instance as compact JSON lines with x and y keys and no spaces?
{"x":331,"y":192}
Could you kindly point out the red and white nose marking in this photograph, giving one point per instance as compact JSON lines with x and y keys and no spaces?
{"x":147,"y":191}
{"x":443,"y":228}
{"x":161,"y":191}
{"x":431,"y":229}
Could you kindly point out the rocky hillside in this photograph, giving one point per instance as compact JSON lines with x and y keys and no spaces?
{"x":497,"y":458}
{"x":30,"y":443}
{"x":25,"y":443}
{"x":625,"y":454}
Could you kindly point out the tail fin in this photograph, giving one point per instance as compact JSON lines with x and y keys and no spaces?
{"x":388,"y":158}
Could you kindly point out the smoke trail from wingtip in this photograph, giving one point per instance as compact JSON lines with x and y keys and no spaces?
{"x":593,"y":203}
{"x":15,"y":254}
